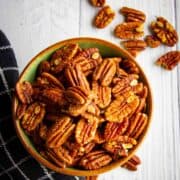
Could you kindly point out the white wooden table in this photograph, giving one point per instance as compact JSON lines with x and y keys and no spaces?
{"x":33,"y":25}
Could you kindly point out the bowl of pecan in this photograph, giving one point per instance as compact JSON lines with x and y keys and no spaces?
{"x":82,"y":106}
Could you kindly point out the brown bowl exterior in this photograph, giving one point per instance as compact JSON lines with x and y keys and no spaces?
{"x":72,"y":171}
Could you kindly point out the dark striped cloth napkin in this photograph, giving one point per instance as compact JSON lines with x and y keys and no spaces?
{"x":15,"y":162}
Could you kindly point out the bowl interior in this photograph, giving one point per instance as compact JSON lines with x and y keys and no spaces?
{"x":107,"y":50}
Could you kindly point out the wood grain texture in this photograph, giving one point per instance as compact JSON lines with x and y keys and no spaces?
{"x":34,"y":25}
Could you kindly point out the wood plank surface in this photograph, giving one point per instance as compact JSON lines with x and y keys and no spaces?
{"x":33,"y":25}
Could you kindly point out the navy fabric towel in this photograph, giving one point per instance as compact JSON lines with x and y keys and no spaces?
{"x":15,"y":162}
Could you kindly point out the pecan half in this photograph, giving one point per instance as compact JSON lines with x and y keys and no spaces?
{"x":59,"y":132}
{"x":169,"y":60}
{"x":164,"y":31}
{"x":137,"y":124}
{"x":105,"y":72}
{"x":44,"y":66}
{"x":60,"y":156}
{"x":152,"y":41}
{"x":130,"y":30}
{"x":67,"y":52}
{"x":132,"y":163}
{"x":62,"y":56}
{"x":126,"y":140}
{"x":104,"y":17}
{"x":76,"y":77}
{"x":133,"y":15}
{"x":95,"y":160}
{"x":121,"y":108}
{"x":24,"y":92}
{"x":98,"y":3}
{"x":33,"y":115}
{"x":85,"y":131}
{"x":123,"y":84}
{"x":116,"y":149}
{"x":76,"y":95}
{"x":52,"y":97}
{"x":88,"y":59}
{"x":48,"y":80}
{"x":103,"y":94}
{"x":113,"y":130}
{"x":134,"y":46}
{"x":129,"y":66}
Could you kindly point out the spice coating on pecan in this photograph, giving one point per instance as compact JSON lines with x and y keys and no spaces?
{"x":164,"y":31}
{"x":169,"y":60}
{"x":104,"y":17}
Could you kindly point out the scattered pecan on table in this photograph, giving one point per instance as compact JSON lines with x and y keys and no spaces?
{"x":164,"y":31}
{"x":169,"y":60}
{"x":104,"y":17}
{"x":133,"y":15}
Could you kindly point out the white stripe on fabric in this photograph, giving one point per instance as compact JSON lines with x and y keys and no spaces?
{"x":5,"y":47}
{"x":76,"y":177}
{"x":6,"y":91}
{"x":4,"y":81}
{"x":13,"y":167}
{"x":10,"y":68}
{"x":6,"y":172}
{"x":8,"y":141}
{"x":11,"y":159}
{"x":47,"y":174}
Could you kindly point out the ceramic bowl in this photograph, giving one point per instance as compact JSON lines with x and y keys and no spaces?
{"x":107,"y":49}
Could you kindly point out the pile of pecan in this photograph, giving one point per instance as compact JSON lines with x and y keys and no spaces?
{"x":133,"y":29}
{"x":83,"y":110}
